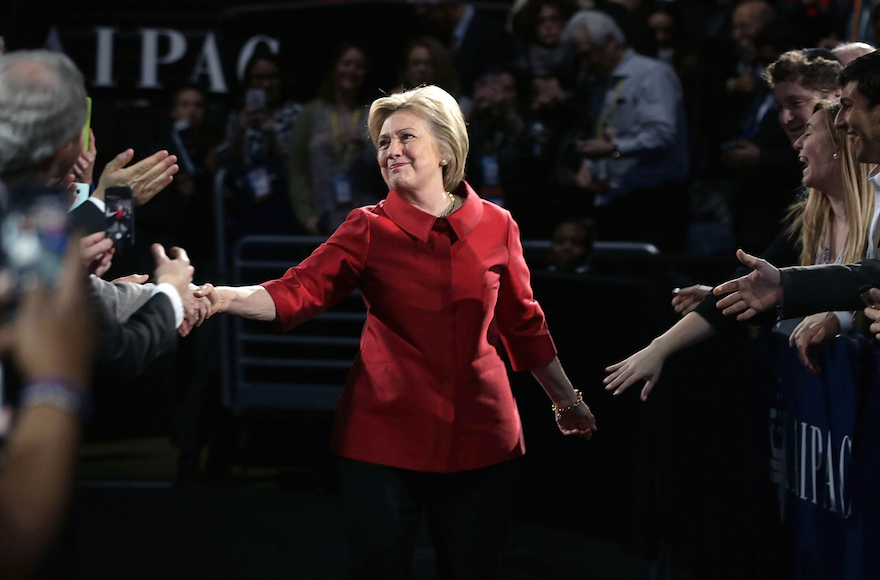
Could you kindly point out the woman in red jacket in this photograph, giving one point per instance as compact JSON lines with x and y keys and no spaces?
{"x":427,"y":421}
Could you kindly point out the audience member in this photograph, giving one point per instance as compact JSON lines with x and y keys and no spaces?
{"x":636,"y":162}
{"x":541,"y":61}
{"x":168,"y":218}
{"x":476,"y":40}
{"x":427,"y":62}
{"x":761,"y":161}
{"x":831,"y":226}
{"x":254,"y":153}
{"x":42,"y":112}
{"x":331,"y":162}
{"x":832,"y":287}
{"x":571,"y":247}
{"x":51,"y":342}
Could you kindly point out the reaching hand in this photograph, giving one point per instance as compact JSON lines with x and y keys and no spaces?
{"x":873,"y":313}
{"x":811,"y":335}
{"x":686,"y":299}
{"x":96,"y":253}
{"x":217,"y":302}
{"x":146,"y":177}
{"x":195,"y":309}
{"x":175,"y":270}
{"x":644,"y":365}
{"x":756,"y":292}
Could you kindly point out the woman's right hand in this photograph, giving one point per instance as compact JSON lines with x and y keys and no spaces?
{"x":218,"y":302}
{"x":686,"y":299}
{"x":643,"y":365}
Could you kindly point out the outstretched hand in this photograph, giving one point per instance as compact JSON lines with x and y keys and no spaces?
{"x":644,"y":365}
{"x":756,"y":292}
{"x":686,"y":299}
{"x":146,"y":177}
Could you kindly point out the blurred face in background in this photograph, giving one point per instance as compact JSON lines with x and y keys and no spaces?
{"x":189,"y":106}
{"x":661,"y":24}
{"x":350,"y":70}
{"x":549,"y":25}
{"x":568,"y":249}
{"x":419,"y":67}
{"x":265,"y":75}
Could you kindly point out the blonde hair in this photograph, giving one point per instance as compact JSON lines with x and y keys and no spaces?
{"x":812,"y":215}
{"x":443,"y":115}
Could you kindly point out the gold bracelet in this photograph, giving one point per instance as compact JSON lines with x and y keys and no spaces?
{"x":558,"y":411}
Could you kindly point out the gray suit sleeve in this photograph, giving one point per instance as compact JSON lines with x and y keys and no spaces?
{"x":121,"y":299}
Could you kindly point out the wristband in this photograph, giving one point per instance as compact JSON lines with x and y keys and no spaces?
{"x":60,"y":393}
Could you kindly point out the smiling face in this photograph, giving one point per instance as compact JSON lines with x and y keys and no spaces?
{"x":819,"y":152}
{"x":795,"y":105}
{"x":409,"y":155}
{"x":862,"y":123}
{"x":350,"y":70}
{"x":419,"y":67}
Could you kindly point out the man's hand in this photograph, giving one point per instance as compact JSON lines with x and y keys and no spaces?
{"x":595,"y":148}
{"x":96,"y":253}
{"x":873,"y":313}
{"x":811,"y":335}
{"x":195,"y":309}
{"x":146,"y":177}
{"x":174,"y":269}
{"x":686,"y":299}
{"x":133,"y":279}
{"x":84,"y":168}
{"x":757,"y":292}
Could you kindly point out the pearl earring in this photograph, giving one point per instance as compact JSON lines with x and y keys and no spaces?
{"x":834,"y":155}
{"x":443,"y":162}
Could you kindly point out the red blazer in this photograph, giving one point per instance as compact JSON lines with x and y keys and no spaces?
{"x":445,"y":296}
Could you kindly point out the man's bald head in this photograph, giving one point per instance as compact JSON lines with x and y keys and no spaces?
{"x":42,"y":108}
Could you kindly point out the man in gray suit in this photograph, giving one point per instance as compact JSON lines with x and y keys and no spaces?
{"x":805,"y":290}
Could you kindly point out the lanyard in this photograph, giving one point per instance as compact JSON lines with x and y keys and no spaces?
{"x":605,"y":123}
{"x":334,"y":128}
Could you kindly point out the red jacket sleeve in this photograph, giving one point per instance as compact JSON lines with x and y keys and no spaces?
{"x":520,"y":318}
{"x":327,"y":276}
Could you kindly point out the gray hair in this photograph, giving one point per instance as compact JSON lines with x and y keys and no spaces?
{"x":42,"y":107}
{"x":597,"y":25}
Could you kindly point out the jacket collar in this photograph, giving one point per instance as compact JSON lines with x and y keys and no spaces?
{"x":418,"y":224}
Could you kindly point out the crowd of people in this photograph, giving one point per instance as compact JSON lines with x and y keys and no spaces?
{"x":576,"y":124}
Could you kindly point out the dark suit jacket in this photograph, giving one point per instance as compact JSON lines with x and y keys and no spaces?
{"x":810,"y":289}
{"x":88,"y":218}
{"x":127,"y":349}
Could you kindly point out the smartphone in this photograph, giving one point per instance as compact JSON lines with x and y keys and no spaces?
{"x":34,"y":238}
{"x":120,"y":216}
{"x":255,"y":98}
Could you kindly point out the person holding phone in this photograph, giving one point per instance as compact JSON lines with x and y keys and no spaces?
{"x":254,"y":152}
{"x":427,"y":421}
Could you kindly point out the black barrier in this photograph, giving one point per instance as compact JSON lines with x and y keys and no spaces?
{"x":824,"y":452}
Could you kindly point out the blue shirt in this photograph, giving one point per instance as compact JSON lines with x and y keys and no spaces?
{"x":648,"y":126}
